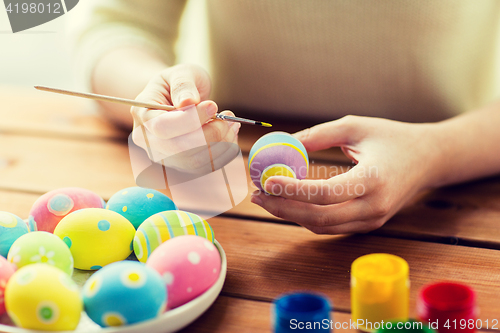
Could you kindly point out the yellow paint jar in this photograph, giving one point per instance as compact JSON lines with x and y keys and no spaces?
{"x":380,"y":290}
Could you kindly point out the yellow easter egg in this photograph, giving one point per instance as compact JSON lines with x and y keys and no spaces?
{"x":96,"y":237}
{"x":43,"y":297}
{"x":165,"y":225}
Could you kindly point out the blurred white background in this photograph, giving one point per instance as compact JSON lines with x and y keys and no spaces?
{"x":41,"y":56}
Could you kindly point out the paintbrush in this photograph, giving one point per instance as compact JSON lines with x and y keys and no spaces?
{"x":144,"y":105}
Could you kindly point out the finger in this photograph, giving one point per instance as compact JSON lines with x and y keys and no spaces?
{"x":312,"y":215}
{"x":346,"y":186}
{"x":331,"y":134}
{"x":183,"y":89}
{"x":217,"y":130}
{"x":170,"y":124}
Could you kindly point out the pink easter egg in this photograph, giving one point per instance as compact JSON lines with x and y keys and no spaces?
{"x":6,"y":271}
{"x":189,"y":265}
{"x":51,"y":207}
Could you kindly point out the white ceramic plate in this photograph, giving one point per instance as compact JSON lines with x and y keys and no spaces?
{"x":170,"y":321}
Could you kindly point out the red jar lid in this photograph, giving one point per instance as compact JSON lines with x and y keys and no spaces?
{"x":447,"y":296}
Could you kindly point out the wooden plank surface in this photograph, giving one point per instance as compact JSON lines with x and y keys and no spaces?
{"x":230,"y":315}
{"x":31,"y":112}
{"x":266,"y":259}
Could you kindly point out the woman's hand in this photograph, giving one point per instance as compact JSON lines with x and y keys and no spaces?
{"x":179,"y":138}
{"x":394,"y":161}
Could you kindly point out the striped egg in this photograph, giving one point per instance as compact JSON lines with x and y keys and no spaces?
{"x":277,"y":154}
{"x":166,"y":225}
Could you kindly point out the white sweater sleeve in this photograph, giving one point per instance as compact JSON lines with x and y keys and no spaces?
{"x":98,"y":26}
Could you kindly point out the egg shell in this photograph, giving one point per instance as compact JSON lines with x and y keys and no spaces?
{"x":6,"y":271}
{"x":165,"y":225}
{"x":51,"y":207}
{"x":277,"y":153}
{"x":136,"y":204}
{"x":42,"y":297}
{"x":41,"y":247}
{"x":124,"y":292}
{"x":189,"y":265}
{"x":11,"y":228}
{"x":96,"y":237}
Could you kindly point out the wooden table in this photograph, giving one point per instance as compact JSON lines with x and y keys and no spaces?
{"x":49,"y":141}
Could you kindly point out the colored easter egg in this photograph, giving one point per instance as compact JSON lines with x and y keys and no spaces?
{"x":96,"y":237}
{"x":277,"y":154}
{"x":11,"y":228}
{"x":189,"y":265}
{"x":6,"y":271}
{"x":41,"y":247}
{"x":51,"y":207}
{"x":136,"y":204}
{"x":123,"y":293}
{"x":165,"y":225}
{"x":42,"y":297}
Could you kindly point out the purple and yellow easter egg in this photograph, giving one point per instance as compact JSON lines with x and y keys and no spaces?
{"x":189,"y":265}
{"x":51,"y":207}
{"x":166,"y":225}
{"x":136,"y":204}
{"x":41,"y":247}
{"x":6,"y":271}
{"x":277,"y":154}
{"x":42,"y":297}
{"x":96,"y":237}
{"x":11,"y":228}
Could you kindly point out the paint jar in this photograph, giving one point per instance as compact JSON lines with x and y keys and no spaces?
{"x":380,"y":289}
{"x":448,"y":307}
{"x":409,"y":326}
{"x":302,"y":311}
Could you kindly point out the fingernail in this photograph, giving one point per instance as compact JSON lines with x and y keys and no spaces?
{"x":256,"y":200}
{"x":211,"y":110}
{"x":272,"y":187}
{"x":185,"y":96}
{"x":236,"y":127}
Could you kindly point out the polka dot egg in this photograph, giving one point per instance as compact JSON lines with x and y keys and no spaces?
{"x":6,"y":271}
{"x":11,"y":228}
{"x":42,"y":297}
{"x":189,"y":265}
{"x":277,"y":154}
{"x":123,"y":293}
{"x":41,"y":247}
{"x":137,"y":204}
{"x":96,"y":237}
{"x":51,"y":207}
{"x":166,"y":225}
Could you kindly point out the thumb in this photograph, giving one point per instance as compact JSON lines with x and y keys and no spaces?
{"x":331,"y":134}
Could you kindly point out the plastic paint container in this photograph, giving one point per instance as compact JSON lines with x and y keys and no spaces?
{"x":301,"y":312}
{"x":448,"y":307}
{"x":379,"y":290}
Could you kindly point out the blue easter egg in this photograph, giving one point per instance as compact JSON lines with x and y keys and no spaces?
{"x":11,"y":228}
{"x":124,"y":292}
{"x":137,"y":204}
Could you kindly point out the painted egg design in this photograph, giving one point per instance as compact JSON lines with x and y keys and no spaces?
{"x":165,"y":225}
{"x":51,"y":207}
{"x":189,"y":265}
{"x":136,"y":204}
{"x":41,"y":247}
{"x":42,"y":297}
{"x":277,"y":154}
{"x":6,"y":271}
{"x":11,"y":228}
{"x":96,"y":237}
{"x":124,"y":293}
